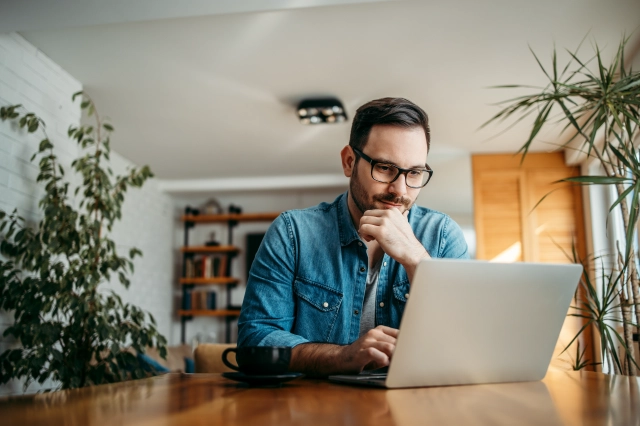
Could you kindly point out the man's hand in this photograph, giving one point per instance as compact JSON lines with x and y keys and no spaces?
{"x":392,"y":232}
{"x":372,"y":350}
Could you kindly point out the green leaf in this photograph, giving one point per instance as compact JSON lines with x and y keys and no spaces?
{"x":584,"y":327}
{"x":626,"y":160}
{"x":631,"y":85}
{"x":633,"y":219}
{"x":596,"y":180}
{"x":539,"y":123}
{"x":44,"y":145}
{"x":621,"y":197}
{"x":108,"y":126}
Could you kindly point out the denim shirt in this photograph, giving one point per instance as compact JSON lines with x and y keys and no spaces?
{"x":308,"y":278}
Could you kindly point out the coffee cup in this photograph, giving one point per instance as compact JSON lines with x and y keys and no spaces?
{"x":259,"y":360}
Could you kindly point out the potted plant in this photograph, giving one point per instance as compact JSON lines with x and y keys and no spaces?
{"x":52,"y":274}
{"x":599,"y":105}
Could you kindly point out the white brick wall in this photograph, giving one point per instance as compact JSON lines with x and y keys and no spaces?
{"x":147,"y":223}
{"x":29,"y":78}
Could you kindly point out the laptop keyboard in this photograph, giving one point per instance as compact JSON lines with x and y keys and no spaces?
{"x":381,"y":377}
{"x":368,"y":374}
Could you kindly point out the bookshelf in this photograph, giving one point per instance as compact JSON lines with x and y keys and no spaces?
{"x":194,"y":278}
{"x":209,"y":281}
{"x":212,"y":249}
{"x":211,"y":312}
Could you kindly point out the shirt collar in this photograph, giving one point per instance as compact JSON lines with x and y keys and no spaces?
{"x":347,"y":230}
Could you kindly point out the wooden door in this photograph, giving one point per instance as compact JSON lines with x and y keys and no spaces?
{"x":522,"y":214}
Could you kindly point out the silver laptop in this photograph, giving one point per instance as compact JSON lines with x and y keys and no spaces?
{"x":470,"y":322}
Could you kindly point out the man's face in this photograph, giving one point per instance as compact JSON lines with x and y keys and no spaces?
{"x":403,"y":147}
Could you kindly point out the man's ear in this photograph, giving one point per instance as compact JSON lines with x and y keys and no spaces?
{"x":348,"y":160}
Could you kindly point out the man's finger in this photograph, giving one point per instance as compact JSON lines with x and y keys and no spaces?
{"x":376,"y":212}
{"x":377,"y":360}
{"x":368,"y":238}
{"x":376,"y":335}
{"x":372,"y":220}
{"x":388,"y":330}
{"x":380,"y":347}
{"x":369,"y":230}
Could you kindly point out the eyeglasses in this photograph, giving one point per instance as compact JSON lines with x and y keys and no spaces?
{"x":388,"y":173}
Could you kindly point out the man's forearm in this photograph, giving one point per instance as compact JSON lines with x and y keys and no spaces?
{"x":318,"y":359}
{"x":372,"y":350}
{"x":411,"y":266}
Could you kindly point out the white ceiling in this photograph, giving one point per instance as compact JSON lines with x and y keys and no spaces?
{"x":208,"y":90}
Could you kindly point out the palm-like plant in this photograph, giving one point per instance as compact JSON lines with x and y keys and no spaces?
{"x":600,"y":105}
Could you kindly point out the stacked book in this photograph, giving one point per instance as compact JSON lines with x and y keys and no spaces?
{"x":206,"y":267}
{"x":200,"y":300}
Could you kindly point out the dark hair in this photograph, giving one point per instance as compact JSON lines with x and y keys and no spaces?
{"x":387,"y":111}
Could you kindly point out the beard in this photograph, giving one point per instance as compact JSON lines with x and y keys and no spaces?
{"x":364,"y":201}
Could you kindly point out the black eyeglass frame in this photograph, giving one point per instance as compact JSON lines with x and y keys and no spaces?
{"x":401,"y":171}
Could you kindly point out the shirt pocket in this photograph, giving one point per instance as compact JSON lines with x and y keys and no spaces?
{"x":401,"y":292}
{"x":317,"y":310}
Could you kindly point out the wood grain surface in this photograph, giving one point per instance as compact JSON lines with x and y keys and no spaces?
{"x":562,"y":398}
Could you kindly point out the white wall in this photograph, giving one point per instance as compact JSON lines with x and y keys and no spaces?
{"x":147,"y":223}
{"x":28,"y":77}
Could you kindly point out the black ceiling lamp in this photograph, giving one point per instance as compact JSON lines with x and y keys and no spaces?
{"x":321,"y":110}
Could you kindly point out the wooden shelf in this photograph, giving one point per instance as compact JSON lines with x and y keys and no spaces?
{"x":225,"y":253}
{"x":212,"y":280}
{"x":210,"y":313}
{"x":210,"y":249}
{"x":242,"y":217}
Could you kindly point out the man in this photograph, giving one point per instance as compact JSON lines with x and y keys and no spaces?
{"x":331,"y":281}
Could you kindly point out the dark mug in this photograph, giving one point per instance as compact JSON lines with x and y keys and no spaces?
{"x":259,"y":360}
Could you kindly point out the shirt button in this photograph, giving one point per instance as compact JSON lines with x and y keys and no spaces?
{"x":382,"y":304}
{"x":325,"y":304}
{"x":359,"y":243}
{"x":406,"y":296}
{"x":384,"y":264}
{"x":355,"y":312}
{"x":362,"y":269}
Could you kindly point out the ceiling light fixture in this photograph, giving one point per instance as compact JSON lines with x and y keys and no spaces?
{"x":322,"y":110}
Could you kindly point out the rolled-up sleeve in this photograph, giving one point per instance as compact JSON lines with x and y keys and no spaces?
{"x":452,"y":241}
{"x":268,"y":309}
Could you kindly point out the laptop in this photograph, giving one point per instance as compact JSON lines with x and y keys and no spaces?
{"x":471,"y":322}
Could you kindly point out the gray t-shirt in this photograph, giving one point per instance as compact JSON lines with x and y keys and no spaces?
{"x":368,"y":318}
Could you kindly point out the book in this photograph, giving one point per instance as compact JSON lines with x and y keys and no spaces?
{"x":198,"y":268}
{"x":207,"y":268}
{"x":211,"y":300}
{"x":223,"y":266}
{"x":200,"y":300}
{"x":216,"y":267}
{"x":196,"y":298}
{"x":186,"y":301}
{"x":189,"y":271}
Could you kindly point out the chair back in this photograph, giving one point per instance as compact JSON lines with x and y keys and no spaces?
{"x":208,"y":357}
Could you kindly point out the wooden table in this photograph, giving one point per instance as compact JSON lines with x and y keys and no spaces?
{"x":563,"y":398}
